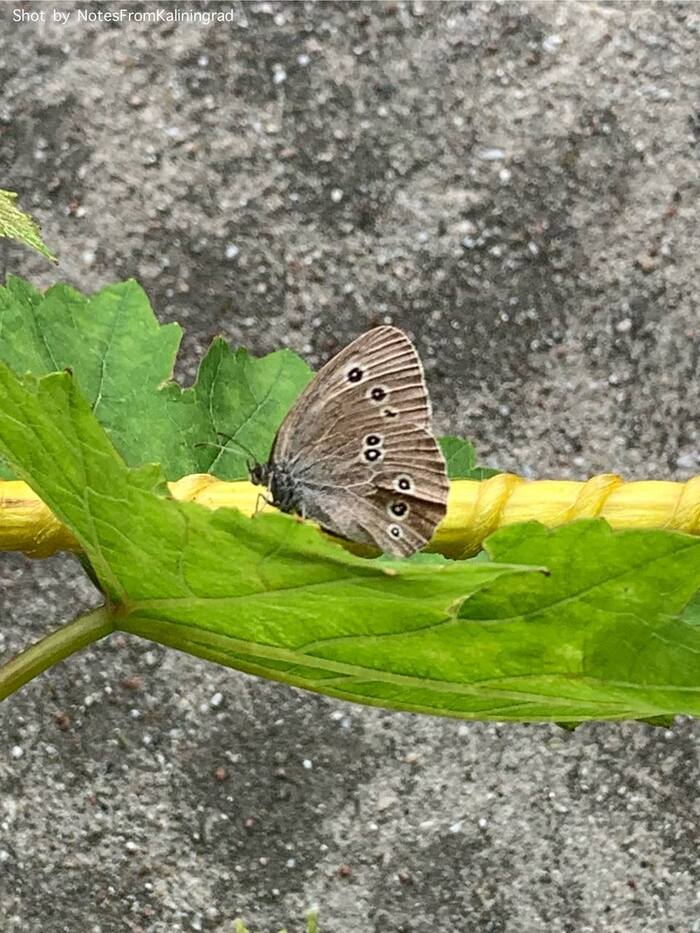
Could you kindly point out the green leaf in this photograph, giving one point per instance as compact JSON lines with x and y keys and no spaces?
{"x":461,"y":460}
{"x":246,"y":399}
{"x":248,"y":592}
{"x":596,"y":636}
{"x":16,"y":225}
{"x":122,"y":360}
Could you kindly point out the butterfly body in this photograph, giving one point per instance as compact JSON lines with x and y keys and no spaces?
{"x":355,"y":453}
{"x":286,"y":492}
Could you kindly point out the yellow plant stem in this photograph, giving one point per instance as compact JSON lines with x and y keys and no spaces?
{"x":475,"y":508}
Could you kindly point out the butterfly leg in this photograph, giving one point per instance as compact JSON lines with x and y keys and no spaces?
{"x":265,"y":500}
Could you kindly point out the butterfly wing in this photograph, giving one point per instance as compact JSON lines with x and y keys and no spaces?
{"x":390,"y":381}
{"x":358,"y":446}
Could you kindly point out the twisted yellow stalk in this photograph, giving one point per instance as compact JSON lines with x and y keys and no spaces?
{"x":475,"y":509}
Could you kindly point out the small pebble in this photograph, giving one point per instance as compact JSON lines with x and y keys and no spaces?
{"x":62,"y":720}
{"x":216,"y":700}
{"x":551,"y":43}
{"x":17,"y":751}
{"x":647,"y":264}
{"x":336,"y":195}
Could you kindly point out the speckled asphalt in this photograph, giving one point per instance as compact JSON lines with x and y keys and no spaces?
{"x":517,"y":185}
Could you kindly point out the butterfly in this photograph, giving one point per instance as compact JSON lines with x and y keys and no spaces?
{"x":356,"y":454}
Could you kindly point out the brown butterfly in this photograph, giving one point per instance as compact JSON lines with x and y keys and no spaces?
{"x":356,"y":454}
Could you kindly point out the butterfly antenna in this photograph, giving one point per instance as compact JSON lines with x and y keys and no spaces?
{"x":229,"y":439}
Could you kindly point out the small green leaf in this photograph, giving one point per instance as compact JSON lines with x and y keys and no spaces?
{"x":245,"y":399}
{"x":461,"y":460}
{"x":122,"y":360}
{"x":16,"y":225}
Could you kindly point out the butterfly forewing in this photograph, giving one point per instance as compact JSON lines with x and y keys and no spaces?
{"x":390,"y":381}
{"x":358,"y":450}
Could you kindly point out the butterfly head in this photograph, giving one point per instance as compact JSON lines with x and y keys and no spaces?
{"x":259,"y":473}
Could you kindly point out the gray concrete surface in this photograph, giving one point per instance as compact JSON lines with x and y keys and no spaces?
{"x":517,"y":185}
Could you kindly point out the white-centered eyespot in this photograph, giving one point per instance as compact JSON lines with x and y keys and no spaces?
{"x":398,"y":509}
{"x":373,"y":440}
{"x":372,"y":454}
{"x":395,"y":531}
{"x":355,"y":374}
{"x":403,"y":483}
{"x":377,"y":394}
